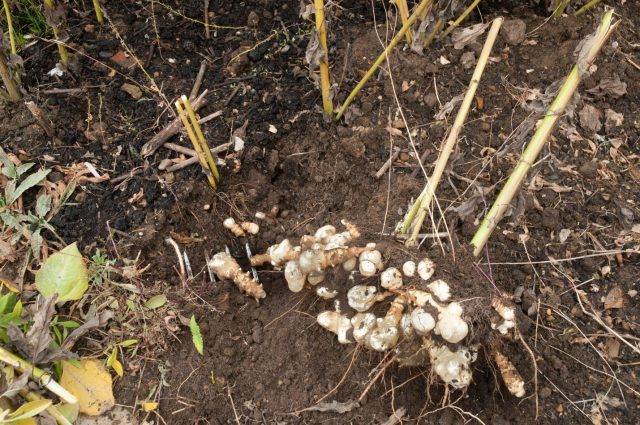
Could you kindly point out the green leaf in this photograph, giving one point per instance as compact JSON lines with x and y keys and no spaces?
{"x":43,"y":205}
{"x":21,"y":169}
{"x":8,"y":169}
{"x":27,"y":183}
{"x":28,"y":410}
{"x":36,"y":243}
{"x":156,"y":302}
{"x":196,"y":336}
{"x":128,"y":343}
{"x":65,"y":274}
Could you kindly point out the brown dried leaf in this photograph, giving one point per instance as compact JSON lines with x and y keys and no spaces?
{"x":463,"y":36}
{"x":133,"y":90}
{"x":614,"y":299}
{"x":612,"y":348}
{"x":610,"y":87}
{"x":36,"y":344}
{"x":97,"y":321}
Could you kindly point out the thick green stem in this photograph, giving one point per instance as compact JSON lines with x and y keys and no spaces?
{"x":12,"y":34}
{"x":96,"y":6}
{"x":537,"y":142}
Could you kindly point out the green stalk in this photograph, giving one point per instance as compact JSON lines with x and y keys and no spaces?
{"x":62,"y":51}
{"x":587,"y":56}
{"x":37,"y":374}
{"x":423,"y":203}
{"x":461,"y":18}
{"x":96,"y":6}
{"x":12,"y":34}
{"x":407,"y":25}
{"x":586,"y":7}
{"x":325,"y":77}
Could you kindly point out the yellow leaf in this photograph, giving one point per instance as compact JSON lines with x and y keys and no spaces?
{"x":149,"y":406}
{"x":28,"y":421}
{"x":117,"y":366}
{"x":112,"y":357}
{"x":91,"y":384}
{"x":29,"y":410}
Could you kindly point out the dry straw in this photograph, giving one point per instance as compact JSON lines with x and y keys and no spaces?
{"x":590,"y":48}
{"x":423,"y":203}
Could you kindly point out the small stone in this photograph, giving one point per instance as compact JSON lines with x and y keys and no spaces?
{"x":590,"y":118}
{"x":257,"y":335}
{"x":253,"y":19}
{"x":228,"y":351}
{"x":486,"y":127}
{"x":430,"y":99}
{"x":514,"y":31}
{"x":468,"y":60}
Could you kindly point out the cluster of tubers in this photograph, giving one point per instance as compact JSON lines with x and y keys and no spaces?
{"x":422,"y":324}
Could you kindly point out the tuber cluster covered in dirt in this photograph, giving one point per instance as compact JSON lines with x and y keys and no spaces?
{"x":398,"y":309}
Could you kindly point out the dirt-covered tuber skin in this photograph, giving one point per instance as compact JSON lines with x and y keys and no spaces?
{"x":226,"y":268}
{"x":241,"y":229}
{"x":510,"y":375}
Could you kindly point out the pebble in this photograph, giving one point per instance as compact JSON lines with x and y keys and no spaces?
{"x":514,"y":31}
{"x":257,"y":335}
{"x":430,"y":99}
{"x":228,"y":351}
{"x":468,"y":60}
{"x":253,"y":19}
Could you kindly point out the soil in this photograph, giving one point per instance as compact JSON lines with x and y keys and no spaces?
{"x":267,"y":362}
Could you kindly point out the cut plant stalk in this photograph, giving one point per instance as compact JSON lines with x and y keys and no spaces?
{"x":10,"y":84}
{"x":96,"y":6}
{"x":403,"y":11}
{"x":461,"y":18}
{"x":406,"y":27}
{"x":423,"y":204}
{"x":586,"y":57}
{"x":325,"y":78}
{"x":37,"y":374}
{"x":12,"y":34}
{"x":62,"y":51}
{"x":197,"y":139}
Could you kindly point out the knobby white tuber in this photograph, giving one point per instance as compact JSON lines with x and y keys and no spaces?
{"x":362,"y":298}
{"x":452,"y":367}
{"x":510,"y":375}
{"x":240,"y":229}
{"x":226,"y":267}
{"x":391,"y":279}
{"x":326,"y":293}
{"x":409,"y":268}
{"x":426,"y":268}
{"x":336,"y":322}
{"x":422,"y":322}
{"x":507,"y":313}
{"x":450,"y":325}
{"x":440,"y":289}
{"x":370,"y":263}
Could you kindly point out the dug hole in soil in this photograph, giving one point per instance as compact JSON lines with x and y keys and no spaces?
{"x":266,"y":362}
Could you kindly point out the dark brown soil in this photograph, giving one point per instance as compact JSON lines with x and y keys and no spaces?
{"x":266,"y":362}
